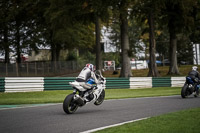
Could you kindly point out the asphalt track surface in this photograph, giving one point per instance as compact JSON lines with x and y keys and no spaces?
{"x":52,"y":119}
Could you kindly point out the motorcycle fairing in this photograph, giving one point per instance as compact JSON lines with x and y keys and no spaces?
{"x":189,"y":80}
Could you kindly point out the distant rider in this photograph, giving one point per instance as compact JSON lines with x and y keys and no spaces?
{"x":195,"y":76}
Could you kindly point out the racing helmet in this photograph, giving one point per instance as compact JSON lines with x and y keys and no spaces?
{"x":195,"y":68}
{"x":90,"y":66}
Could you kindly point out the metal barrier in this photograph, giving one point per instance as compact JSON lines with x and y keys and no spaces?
{"x":177,"y":81}
{"x":25,"y":84}
{"x":117,"y":83}
{"x":58,"y":83}
{"x":2,"y":84}
{"x":140,"y":82}
{"x":161,"y":82}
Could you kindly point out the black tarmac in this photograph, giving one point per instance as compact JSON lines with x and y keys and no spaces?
{"x":52,"y":119}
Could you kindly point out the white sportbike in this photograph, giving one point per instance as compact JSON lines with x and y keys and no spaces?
{"x":82,"y":96}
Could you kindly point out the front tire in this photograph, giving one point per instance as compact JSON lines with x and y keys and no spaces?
{"x":184,"y":92}
{"x":69,"y":106}
{"x":100,"y":99}
{"x":197,"y":94}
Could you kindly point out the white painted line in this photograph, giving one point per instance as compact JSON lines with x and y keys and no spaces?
{"x":114,"y":125}
{"x":28,"y":106}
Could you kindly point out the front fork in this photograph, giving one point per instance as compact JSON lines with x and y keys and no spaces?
{"x":98,"y":91}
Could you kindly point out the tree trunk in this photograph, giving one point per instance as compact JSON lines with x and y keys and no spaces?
{"x":17,"y":35}
{"x":6,"y":45}
{"x":153,"y":71}
{"x":173,"y":69}
{"x":98,"y":44}
{"x":53,"y":52}
{"x":126,"y":68}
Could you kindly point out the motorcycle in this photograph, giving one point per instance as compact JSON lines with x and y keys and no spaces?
{"x":82,"y":96}
{"x":189,"y":88}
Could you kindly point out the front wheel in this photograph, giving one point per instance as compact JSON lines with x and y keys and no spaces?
{"x":69,"y":106}
{"x":197,"y":94}
{"x":100,"y":99}
{"x":184,"y":92}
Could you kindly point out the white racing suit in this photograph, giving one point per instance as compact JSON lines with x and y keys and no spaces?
{"x":83,"y":77}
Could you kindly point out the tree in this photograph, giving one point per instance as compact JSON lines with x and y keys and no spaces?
{"x":195,"y":29}
{"x":149,"y":10}
{"x":20,"y":28}
{"x":19,"y":19}
{"x":99,"y":11}
{"x":177,"y":13}
{"x":73,"y":30}
{"x":4,"y":32}
{"x":162,"y":45}
{"x":153,"y":71}
{"x":126,"y":68}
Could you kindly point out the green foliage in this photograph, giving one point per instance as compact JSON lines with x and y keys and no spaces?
{"x":72,"y":56}
{"x":112,"y":57}
{"x":185,"y":121}
{"x":178,"y":13}
{"x":162,"y":44}
{"x":68,"y":24}
{"x":185,"y":49}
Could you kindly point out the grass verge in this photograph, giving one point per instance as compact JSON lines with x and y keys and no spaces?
{"x":163,"y":71}
{"x":186,"y":121}
{"x":58,"y":96}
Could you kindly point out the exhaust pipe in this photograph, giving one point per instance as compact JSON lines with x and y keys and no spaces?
{"x":79,"y":100}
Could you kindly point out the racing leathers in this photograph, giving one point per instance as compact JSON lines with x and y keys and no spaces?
{"x":83,"y":77}
{"x":195,"y":76}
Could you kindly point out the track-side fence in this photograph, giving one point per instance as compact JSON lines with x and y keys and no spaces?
{"x":27,"y":84}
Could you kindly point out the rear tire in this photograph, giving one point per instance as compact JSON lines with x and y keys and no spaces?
{"x":100,"y":99}
{"x":68,"y":105}
{"x":184,"y":92}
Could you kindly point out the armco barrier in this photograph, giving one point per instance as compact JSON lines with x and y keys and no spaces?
{"x":24,"y":84}
{"x":117,"y":83}
{"x":62,"y":83}
{"x":58,"y":83}
{"x":2,"y":84}
{"x":177,"y":81}
{"x":161,"y":82}
{"x":140,"y":82}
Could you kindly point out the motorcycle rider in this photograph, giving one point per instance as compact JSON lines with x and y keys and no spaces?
{"x":87,"y":73}
{"x":195,"y":76}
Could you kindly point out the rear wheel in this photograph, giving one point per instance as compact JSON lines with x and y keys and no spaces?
{"x":100,"y":99}
{"x":184,"y":92}
{"x":69,"y":106}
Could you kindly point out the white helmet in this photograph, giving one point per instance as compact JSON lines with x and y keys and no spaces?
{"x":195,"y":68}
{"x":90,"y":66}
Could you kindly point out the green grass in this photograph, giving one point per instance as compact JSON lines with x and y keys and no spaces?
{"x":149,"y":92}
{"x":58,"y":96}
{"x":186,"y":121}
{"x":33,"y":97}
{"x":163,"y":71}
